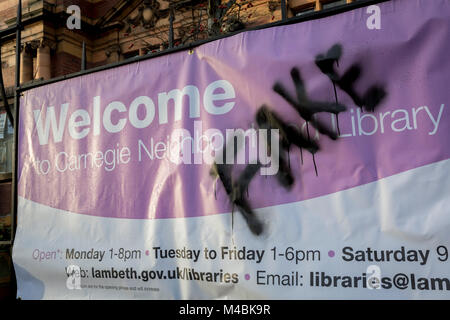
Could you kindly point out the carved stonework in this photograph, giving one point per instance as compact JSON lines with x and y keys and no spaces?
{"x":27,"y":48}
{"x":273,"y":5}
{"x":41,"y":43}
{"x":148,"y":14}
{"x":34,"y":44}
{"x":115,"y":48}
{"x":232,"y":24}
{"x":47,"y":43}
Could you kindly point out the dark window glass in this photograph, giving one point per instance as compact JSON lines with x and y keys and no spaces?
{"x":6,"y":143}
{"x":333,"y":4}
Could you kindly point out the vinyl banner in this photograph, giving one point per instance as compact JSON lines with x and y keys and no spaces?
{"x":304,"y":161}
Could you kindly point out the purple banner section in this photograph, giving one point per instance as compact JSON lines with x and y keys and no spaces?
{"x":99,"y":144}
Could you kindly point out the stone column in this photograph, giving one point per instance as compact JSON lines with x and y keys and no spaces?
{"x":26,"y":63}
{"x":43,"y":62}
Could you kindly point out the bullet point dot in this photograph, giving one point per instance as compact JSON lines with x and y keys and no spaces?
{"x":247,"y":277}
{"x":147,"y":252}
{"x":331,"y":253}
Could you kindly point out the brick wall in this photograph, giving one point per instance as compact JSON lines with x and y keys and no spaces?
{"x":8,"y":10}
{"x":89,"y":9}
{"x":64,"y":63}
{"x":101,"y":8}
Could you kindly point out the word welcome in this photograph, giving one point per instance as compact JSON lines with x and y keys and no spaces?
{"x":140,"y":113}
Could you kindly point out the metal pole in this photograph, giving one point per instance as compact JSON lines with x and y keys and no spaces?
{"x":83,"y":57}
{"x":170,"y":28}
{"x":18,"y":42}
{"x":283,"y":10}
{"x":16,"y":120}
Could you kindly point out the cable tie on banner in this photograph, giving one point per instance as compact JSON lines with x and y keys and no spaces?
{"x":215,"y":187}
{"x":232,"y":225}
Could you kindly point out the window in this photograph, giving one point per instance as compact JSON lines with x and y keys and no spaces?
{"x":131,"y":54}
{"x":6,"y":159}
{"x":333,"y":4}
{"x":6,"y":143}
{"x":305,"y":11}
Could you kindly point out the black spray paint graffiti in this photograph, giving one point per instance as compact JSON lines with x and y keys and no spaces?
{"x":290,"y":135}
